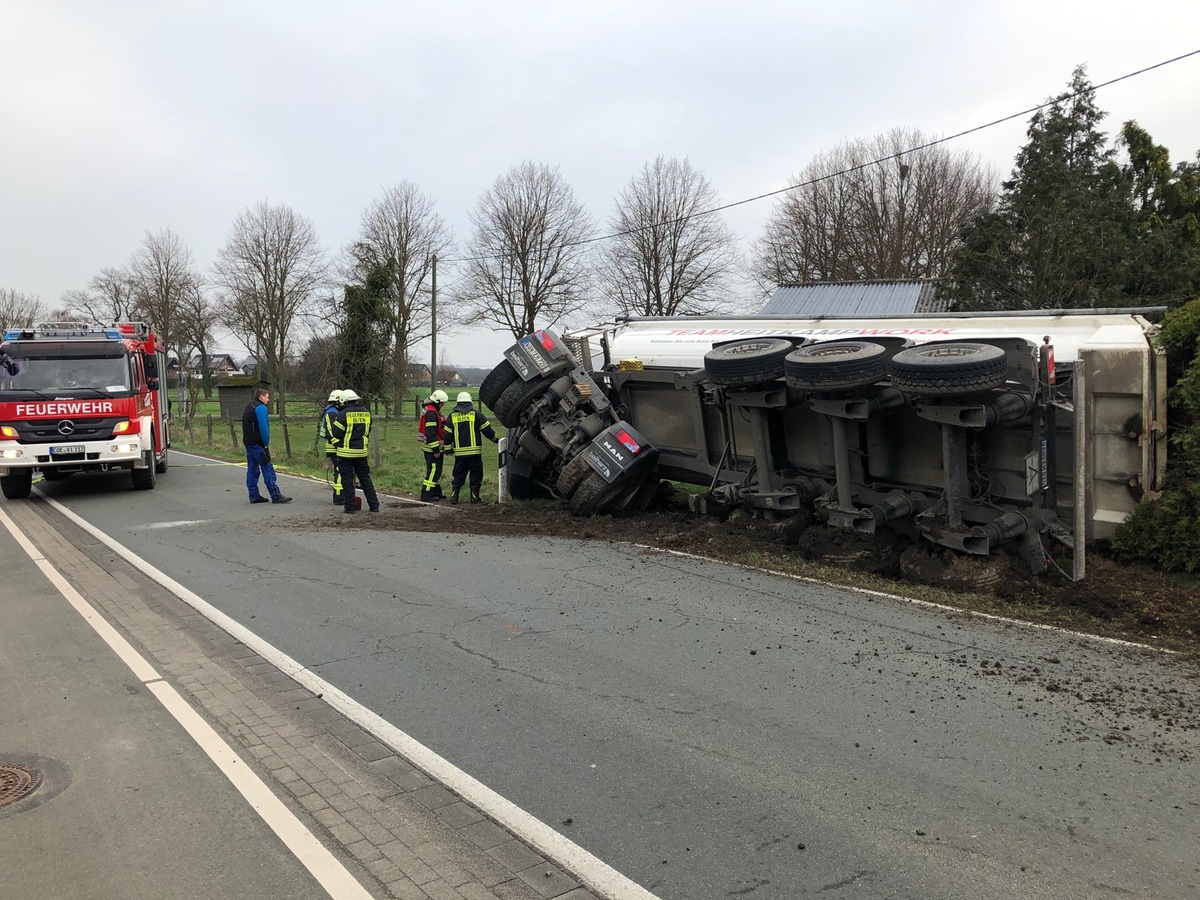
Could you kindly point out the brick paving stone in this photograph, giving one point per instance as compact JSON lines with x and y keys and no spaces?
{"x":439,"y":890}
{"x":364,"y":851}
{"x":578,"y":894}
{"x":434,"y":796}
{"x":329,"y":817}
{"x":346,"y":833}
{"x":403,"y":889}
{"x":516,"y":856}
{"x":459,"y":815}
{"x":411,"y":864}
{"x":374,"y":751}
{"x":548,"y":880}
{"x":486,"y":834}
{"x":475,"y":892}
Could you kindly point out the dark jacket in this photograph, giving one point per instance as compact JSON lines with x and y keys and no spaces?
{"x":255,"y":430}
{"x":466,"y":427}
{"x":350,"y":432}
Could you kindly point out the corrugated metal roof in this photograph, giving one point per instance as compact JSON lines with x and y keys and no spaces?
{"x":855,"y":298}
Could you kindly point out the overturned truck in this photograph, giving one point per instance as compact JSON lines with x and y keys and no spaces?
{"x":971,"y":432}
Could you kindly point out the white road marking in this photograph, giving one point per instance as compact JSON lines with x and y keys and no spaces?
{"x":597,"y":875}
{"x":312,"y":854}
{"x":182,"y":523}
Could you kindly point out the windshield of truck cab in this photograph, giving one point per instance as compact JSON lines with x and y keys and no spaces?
{"x":77,"y":375}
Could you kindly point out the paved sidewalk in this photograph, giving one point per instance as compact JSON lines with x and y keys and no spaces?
{"x":132,"y":807}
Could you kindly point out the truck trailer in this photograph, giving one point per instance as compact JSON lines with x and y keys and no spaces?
{"x":973,"y":432}
{"x":77,"y":397}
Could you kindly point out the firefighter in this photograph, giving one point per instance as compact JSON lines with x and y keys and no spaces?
{"x":429,"y":436}
{"x":351,"y":438}
{"x":325,"y":433}
{"x":466,"y":428}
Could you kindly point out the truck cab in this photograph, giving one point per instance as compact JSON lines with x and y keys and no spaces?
{"x":76,"y":397}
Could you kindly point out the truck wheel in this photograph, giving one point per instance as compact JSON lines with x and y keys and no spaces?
{"x":143,"y":479}
{"x":594,"y":494}
{"x":638,"y":497}
{"x":17,"y":483}
{"x":495,"y":384}
{"x":161,"y":466}
{"x":947,"y":369}
{"x":835,"y":365}
{"x":745,"y":363}
{"x":517,"y":397}
{"x":572,"y":476}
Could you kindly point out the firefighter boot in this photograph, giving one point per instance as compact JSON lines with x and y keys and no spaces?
{"x":475,"y":498}
{"x":454,"y":495}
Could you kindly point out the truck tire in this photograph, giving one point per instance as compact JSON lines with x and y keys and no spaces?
{"x":745,"y":363}
{"x":638,"y":497}
{"x":572,"y":476}
{"x":948,"y":369}
{"x":594,"y":494}
{"x":836,"y":365}
{"x":495,"y":383}
{"x":516,"y":399}
{"x":17,"y":484}
{"x":143,"y":479}
{"x":160,"y":466}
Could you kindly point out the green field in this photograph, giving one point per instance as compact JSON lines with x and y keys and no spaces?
{"x":294,"y":446}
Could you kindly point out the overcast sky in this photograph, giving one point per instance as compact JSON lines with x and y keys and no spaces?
{"x":118,"y":118}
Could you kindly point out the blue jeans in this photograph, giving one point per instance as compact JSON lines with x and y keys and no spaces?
{"x":255,"y":463}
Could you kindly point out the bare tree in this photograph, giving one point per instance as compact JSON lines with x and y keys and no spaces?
{"x":670,"y":255}
{"x":162,"y":277}
{"x":527,"y":260}
{"x":197,"y":320}
{"x":18,"y":309}
{"x":401,"y":233}
{"x":268,"y":272}
{"x":110,"y":297}
{"x":873,"y":209}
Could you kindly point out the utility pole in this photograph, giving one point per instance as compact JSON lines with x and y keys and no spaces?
{"x":433,"y":329}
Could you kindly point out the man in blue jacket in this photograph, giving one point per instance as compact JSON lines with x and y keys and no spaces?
{"x":256,"y":436}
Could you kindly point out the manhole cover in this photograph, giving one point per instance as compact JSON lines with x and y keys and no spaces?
{"x":17,"y":782}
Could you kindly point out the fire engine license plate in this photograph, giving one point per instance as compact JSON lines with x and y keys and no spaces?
{"x":66,"y":449}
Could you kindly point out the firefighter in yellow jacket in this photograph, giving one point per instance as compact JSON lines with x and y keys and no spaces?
{"x":466,"y":427}
{"x":351,"y":438}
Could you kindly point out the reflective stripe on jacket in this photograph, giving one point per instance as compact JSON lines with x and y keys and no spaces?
{"x":325,"y":429}
{"x":351,"y":430}
{"x":432,"y":423}
{"x":465,"y":429}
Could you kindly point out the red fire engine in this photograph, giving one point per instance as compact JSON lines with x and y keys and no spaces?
{"x":76,"y":398}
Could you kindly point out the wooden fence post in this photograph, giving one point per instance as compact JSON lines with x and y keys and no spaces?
{"x":232,"y":435}
{"x":287,"y":441}
{"x":210,"y":427}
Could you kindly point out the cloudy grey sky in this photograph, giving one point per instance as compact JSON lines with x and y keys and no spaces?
{"x":118,"y":117}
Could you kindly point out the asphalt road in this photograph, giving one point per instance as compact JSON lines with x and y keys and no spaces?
{"x":707,"y":730}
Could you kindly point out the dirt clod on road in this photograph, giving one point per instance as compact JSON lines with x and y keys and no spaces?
{"x":1130,"y":602}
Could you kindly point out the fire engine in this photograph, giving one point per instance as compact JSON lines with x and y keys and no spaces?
{"x":76,"y":397}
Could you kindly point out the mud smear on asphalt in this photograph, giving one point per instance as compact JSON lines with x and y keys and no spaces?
{"x":1155,"y":718}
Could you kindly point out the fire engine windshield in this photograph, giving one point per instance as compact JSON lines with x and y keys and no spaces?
{"x":77,"y":375}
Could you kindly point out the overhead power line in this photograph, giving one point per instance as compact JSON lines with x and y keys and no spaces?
{"x":1062,"y":98}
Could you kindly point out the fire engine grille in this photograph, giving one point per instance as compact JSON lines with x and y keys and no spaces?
{"x":17,"y":782}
